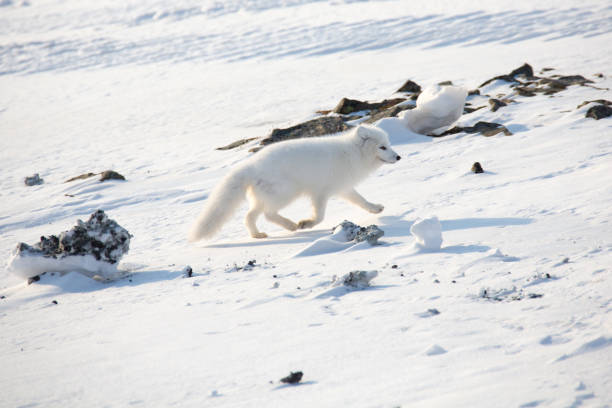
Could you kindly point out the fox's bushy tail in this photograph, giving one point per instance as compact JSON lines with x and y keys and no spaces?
{"x":221,"y":204}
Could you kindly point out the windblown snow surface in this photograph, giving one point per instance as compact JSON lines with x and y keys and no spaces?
{"x":514,"y":309}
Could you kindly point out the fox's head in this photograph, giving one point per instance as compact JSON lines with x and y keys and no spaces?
{"x":374,"y":142}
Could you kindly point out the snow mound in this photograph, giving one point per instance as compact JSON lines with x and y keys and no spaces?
{"x":344,"y":237}
{"x":434,"y":350}
{"x":428,"y":233}
{"x":438,"y":107}
{"x":92,"y":248}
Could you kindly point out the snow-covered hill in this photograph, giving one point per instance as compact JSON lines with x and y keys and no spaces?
{"x":514,"y":310}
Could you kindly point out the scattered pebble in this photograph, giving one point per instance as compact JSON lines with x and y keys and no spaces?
{"x":54,"y":302}
{"x":33,"y":180}
{"x":293,"y":378}
{"x":356,"y":279}
{"x":276,"y":285}
{"x":393,"y":266}
{"x":477,"y":168}
{"x":33,"y":279}
{"x":188,"y":271}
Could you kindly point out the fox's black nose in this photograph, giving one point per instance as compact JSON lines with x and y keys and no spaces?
{"x":398,"y":157}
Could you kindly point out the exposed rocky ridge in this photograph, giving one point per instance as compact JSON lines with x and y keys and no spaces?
{"x":522,"y":80}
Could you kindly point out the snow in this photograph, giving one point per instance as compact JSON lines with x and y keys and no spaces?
{"x":150,"y":89}
{"x":427,"y":233}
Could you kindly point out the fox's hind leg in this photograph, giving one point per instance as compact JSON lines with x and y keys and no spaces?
{"x":276,"y":218}
{"x":250,"y":220}
{"x":318,"y":212}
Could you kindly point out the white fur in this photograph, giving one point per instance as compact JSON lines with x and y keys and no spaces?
{"x":437,"y":108}
{"x":280,"y":173}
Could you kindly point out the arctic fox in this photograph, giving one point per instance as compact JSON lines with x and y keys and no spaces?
{"x":318,"y":168}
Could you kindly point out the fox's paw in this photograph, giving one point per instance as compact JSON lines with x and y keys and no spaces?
{"x":376,"y":208}
{"x":305,"y":224}
{"x":259,"y":235}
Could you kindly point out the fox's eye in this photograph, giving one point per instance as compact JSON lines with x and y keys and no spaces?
{"x":382,"y":148}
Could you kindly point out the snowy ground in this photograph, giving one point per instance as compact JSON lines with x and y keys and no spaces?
{"x":149,"y":89}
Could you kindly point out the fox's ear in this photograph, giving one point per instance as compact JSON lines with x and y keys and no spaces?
{"x":363,"y":133}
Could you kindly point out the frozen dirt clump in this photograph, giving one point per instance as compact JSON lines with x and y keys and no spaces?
{"x":93,"y":247}
{"x":428,"y":233}
{"x":356,"y":279}
{"x":33,"y":180}
{"x":349,"y":231}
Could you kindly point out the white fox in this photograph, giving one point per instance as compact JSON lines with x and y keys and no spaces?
{"x":318,"y":167}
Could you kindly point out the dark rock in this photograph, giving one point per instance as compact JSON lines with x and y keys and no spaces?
{"x":357,"y":279}
{"x":600,"y":101}
{"x":484,"y":128}
{"x":293,"y":378}
{"x":235,"y":144}
{"x":54,"y":302}
{"x":347,"y":106}
{"x":474,"y":92}
{"x":33,"y":279}
{"x":394,"y":266}
{"x":387,"y":113}
{"x":545,"y":69}
{"x":496,"y":104}
{"x":188,"y":271}
{"x":410,"y":86}
{"x":316,"y":127}
{"x":445,"y":83}
{"x":33,"y":180}
{"x":2,"y":297}
{"x":573,"y":80}
{"x":110,"y":175}
{"x":81,"y":177}
{"x":468,"y":109}
{"x":354,"y":232}
{"x":100,"y":237}
{"x":477,"y":168}
{"x":524,"y":70}
{"x":599,"y":112}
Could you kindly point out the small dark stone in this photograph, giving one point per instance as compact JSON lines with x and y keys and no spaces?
{"x":534,"y":295}
{"x":496,"y":104}
{"x":548,"y":276}
{"x":235,"y":144}
{"x":599,"y":112}
{"x":436,"y":281}
{"x":347,"y":106}
{"x":54,"y":302}
{"x":477,"y":168}
{"x":388,"y":113}
{"x":81,"y":177}
{"x":393,"y":266}
{"x":524,"y":70}
{"x":293,"y":378}
{"x":468,"y":109}
{"x":188,"y":271}
{"x":474,"y":92}
{"x":445,"y":83}
{"x":251,"y":262}
{"x":484,"y":128}
{"x":433,"y":312}
{"x":410,"y":86}
{"x":453,"y":281}
{"x":565,"y":260}
{"x":275,"y":276}
{"x":33,"y":180}
{"x":600,"y":101}
{"x":33,"y":279}
{"x":2,"y":297}
{"x":110,"y":175}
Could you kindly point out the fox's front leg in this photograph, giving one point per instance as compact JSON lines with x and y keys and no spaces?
{"x":354,"y":197}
